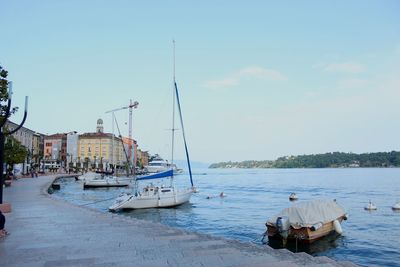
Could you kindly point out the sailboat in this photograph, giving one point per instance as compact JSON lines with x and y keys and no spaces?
{"x":106,"y":181}
{"x":153,"y":196}
{"x":96,"y":180}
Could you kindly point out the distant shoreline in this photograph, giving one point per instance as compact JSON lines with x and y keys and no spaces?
{"x":277,"y":168}
{"x":319,"y":161}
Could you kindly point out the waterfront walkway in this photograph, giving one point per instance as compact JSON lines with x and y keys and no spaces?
{"x":49,"y":232}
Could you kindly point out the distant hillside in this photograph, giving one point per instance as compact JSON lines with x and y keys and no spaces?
{"x":327,"y":160}
{"x":182,"y":164}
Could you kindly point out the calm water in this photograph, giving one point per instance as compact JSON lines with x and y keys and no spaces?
{"x":369,"y":238}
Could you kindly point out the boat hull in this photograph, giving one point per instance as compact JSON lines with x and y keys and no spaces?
{"x":90,"y":185}
{"x":159,"y":199}
{"x":303,"y":235}
{"x":106,"y":182}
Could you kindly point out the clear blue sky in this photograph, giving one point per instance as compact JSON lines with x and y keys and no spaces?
{"x":258,"y":79}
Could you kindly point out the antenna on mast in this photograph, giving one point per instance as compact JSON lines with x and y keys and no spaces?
{"x":173,"y":110}
{"x":173,"y":42}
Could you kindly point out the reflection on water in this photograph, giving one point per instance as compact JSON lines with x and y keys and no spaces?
{"x":324,"y":244}
{"x":162,"y":215}
{"x":253,"y":196}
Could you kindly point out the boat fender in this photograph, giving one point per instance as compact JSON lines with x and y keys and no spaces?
{"x":283,"y":225}
{"x":396,"y":207}
{"x":337,"y":226}
{"x":264,"y":239}
{"x":316,"y":226}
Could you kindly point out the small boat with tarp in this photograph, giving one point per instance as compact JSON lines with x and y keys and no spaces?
{"x":306,"y":222}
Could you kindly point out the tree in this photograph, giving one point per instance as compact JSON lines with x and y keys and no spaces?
{"x":14,"y":152}
{"x":5,"y":112}
{"x":4,"y":84}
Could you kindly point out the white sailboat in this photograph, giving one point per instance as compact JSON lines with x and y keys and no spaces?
{"x":152,"y":196}
{"x":107,"y":181}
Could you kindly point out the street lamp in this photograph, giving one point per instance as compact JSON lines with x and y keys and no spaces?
{"x":3,"y":134}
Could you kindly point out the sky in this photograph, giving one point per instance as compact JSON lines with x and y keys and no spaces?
{"x":257,"y":79}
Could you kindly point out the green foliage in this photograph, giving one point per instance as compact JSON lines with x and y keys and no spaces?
{"x":14,"y":152}
{"x":327,"y":160}
{"x":4,"y":83}
{"x":3,"y":92}
{"x":139,"y":163}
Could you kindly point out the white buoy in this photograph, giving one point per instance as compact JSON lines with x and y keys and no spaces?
{"x":396,"y":206}
{"x":195,"y":190}
{"x":338,"y":227}
{"x":370,"y":206}
{"x":293,"y":196}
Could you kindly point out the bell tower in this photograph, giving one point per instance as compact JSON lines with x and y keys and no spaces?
{"x":99,"y":128}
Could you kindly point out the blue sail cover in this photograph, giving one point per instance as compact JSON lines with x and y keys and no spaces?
{"x":158,"y":175}
{"x":183,"y":133}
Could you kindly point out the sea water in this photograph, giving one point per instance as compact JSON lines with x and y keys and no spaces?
{"x":254,"y":195}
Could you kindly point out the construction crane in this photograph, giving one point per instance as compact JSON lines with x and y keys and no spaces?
{"x":131,"y":106}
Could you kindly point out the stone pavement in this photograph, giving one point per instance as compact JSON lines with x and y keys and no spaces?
{"x":50,"y":232}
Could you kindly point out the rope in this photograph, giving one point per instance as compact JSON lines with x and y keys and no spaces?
{"x":97,"y":201}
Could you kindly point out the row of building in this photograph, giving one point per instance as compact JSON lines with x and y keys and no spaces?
{"x":95,"y":150}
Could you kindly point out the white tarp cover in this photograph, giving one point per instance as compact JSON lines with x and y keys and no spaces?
{"x":308,"y":213}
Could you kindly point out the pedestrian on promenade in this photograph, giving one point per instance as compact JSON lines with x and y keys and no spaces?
{"x":3,"y":231}
{"x":11,"y":175}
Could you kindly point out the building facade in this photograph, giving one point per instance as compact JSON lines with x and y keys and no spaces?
{"x":101,"y":150}
{"x":142,"y":158}
{"x":37,"y":148}
{"x":55,"y":150}
{"x":131,"y":150}
{"x":23,"y":135}
{"x":72,"y":149}
{"x":96,"y":150}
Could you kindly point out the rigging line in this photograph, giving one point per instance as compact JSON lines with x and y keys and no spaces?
{"x":183,"y":133}
{"x":96,"y":201}
{"x":120,"y":136}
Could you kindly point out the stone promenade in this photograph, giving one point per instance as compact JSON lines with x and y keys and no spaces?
{"x":48,"y":232}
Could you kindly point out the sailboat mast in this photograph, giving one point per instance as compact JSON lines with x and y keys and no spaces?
{"x":112,"y":144}
{"x":131,"y":155}
{"x":173,"y":110}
